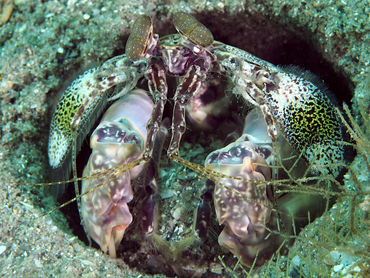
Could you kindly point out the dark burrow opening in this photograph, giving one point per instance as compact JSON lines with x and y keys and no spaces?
{"x":262,"y":38}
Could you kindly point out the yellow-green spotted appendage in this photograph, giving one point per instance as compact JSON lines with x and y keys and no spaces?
{"x":308,"y":120}
{"x":85,"y":98}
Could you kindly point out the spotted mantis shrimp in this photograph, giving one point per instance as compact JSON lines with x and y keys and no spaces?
{"x":293,"y":131}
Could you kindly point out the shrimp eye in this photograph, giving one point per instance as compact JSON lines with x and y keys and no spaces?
{"x":140,"y":38}
{"x":192,"y":29}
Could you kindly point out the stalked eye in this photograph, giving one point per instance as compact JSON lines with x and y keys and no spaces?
{"x":192,"y":29}
{"x":140,"y":38}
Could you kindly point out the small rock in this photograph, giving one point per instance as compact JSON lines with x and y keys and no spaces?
{"x":176,"y":214}
{"x":2,"y":249}
{"x":86,"y":262}
{"x":166,"y":194}
{"x":6,"y":9}
{"x":296,"y":261}
{"x":332,"y":258}
{"x":38,"y":263}
{"x":338,"y":267}
{"x":216,"y":268}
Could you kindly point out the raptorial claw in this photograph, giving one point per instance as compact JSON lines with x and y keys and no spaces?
{"x":119,"y":139}
{"x":242,"y":204}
